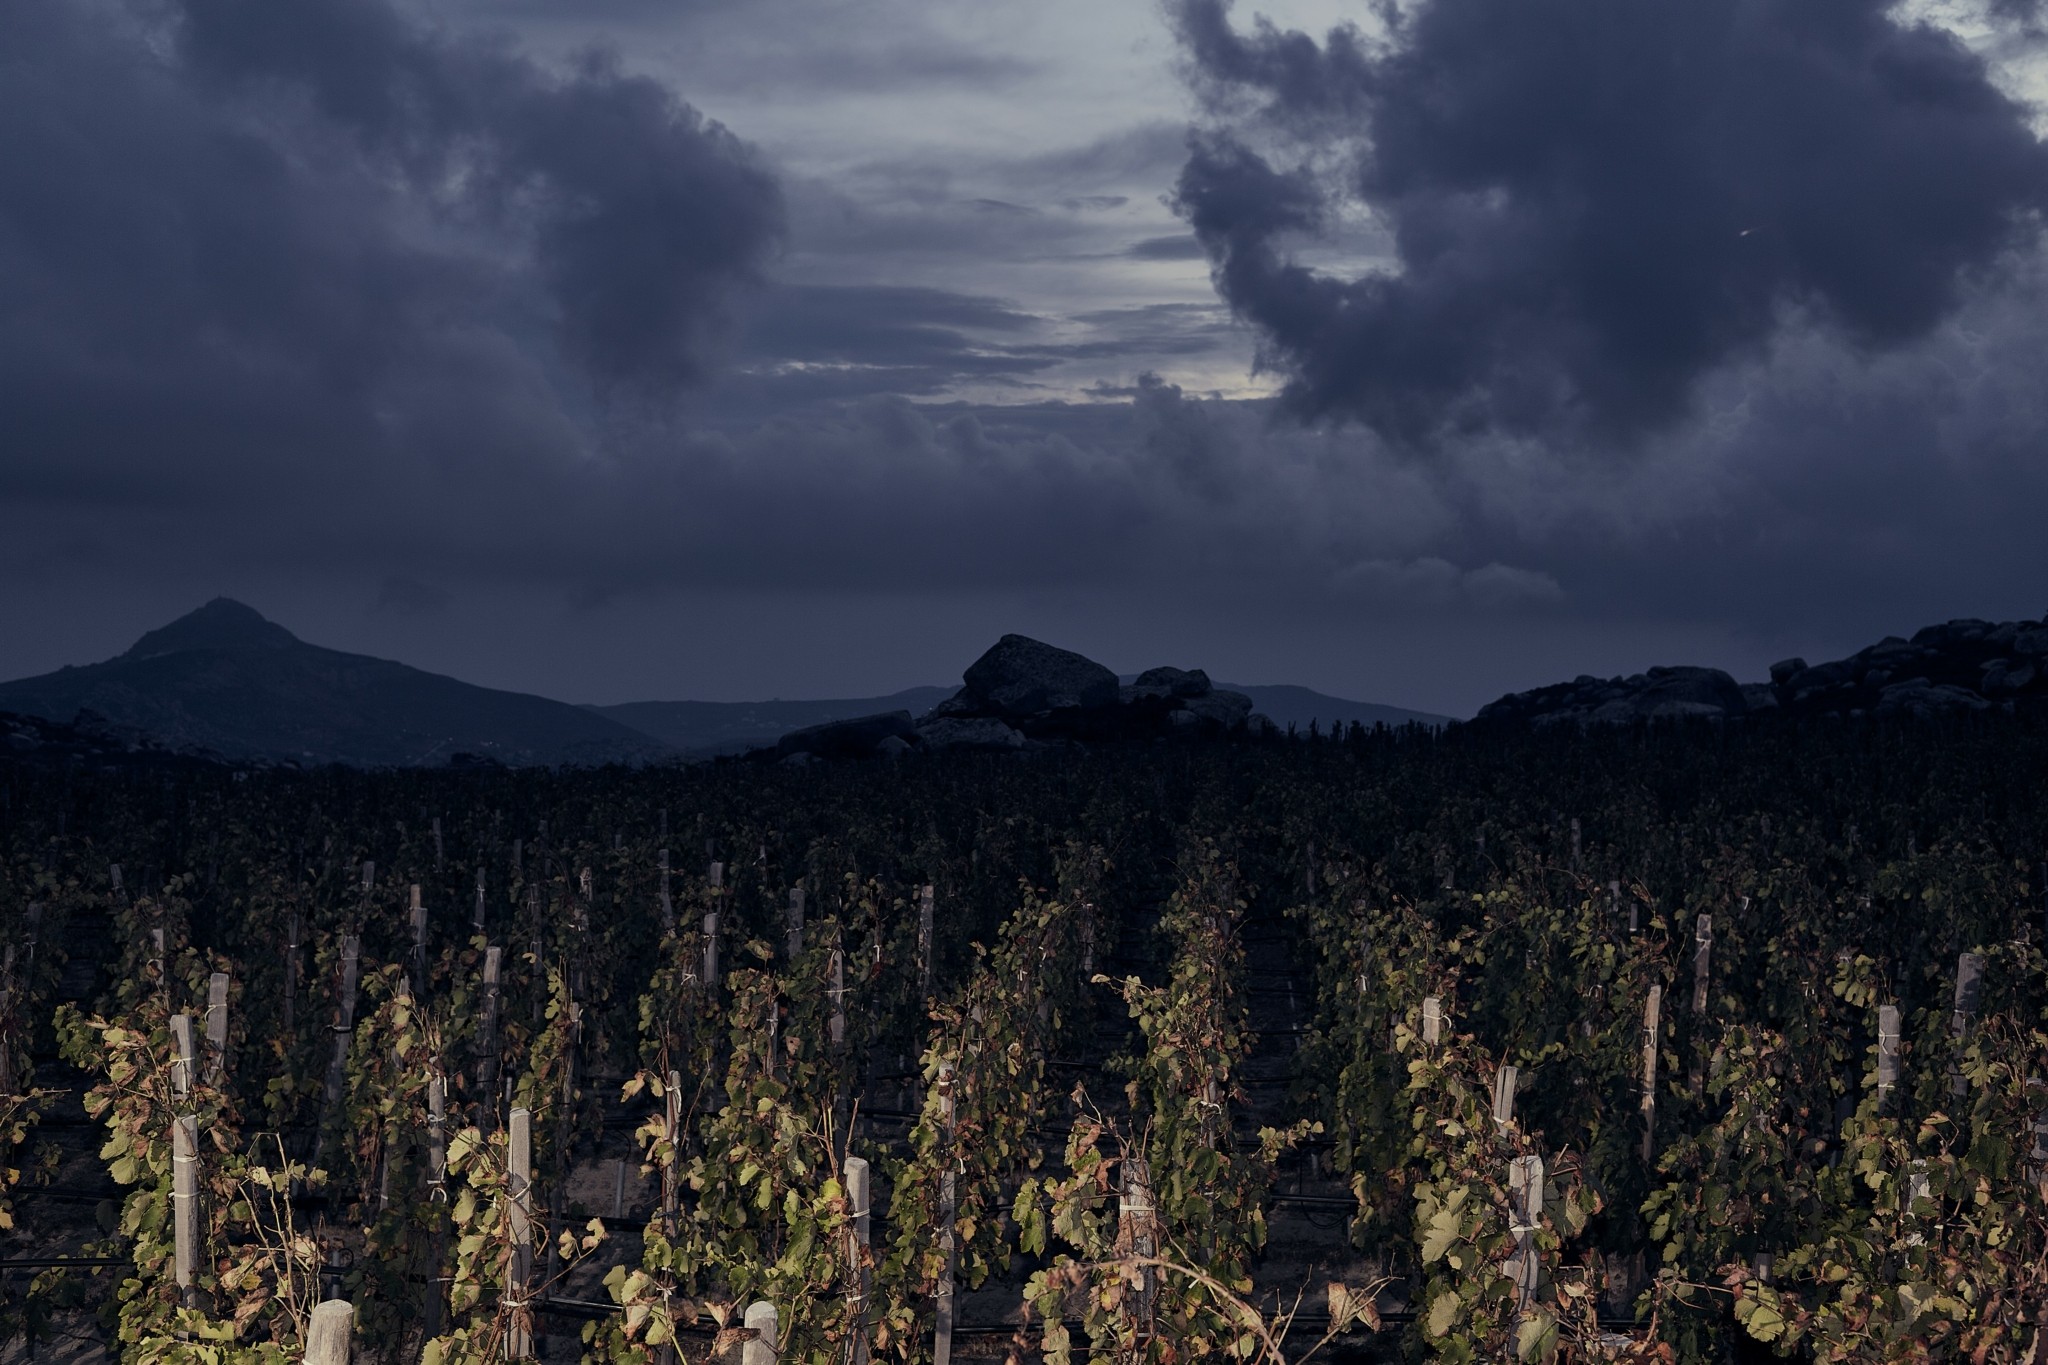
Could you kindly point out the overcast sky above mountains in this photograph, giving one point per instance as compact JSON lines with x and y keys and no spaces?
{"x":734,"y":348}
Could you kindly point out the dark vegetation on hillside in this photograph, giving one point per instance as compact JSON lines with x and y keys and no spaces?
{"x":1271,"y":918}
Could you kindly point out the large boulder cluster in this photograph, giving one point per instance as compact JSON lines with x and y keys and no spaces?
{"x":1950,"y":669}
{"x":1966,"y":665}
{"x":1660,"y":694}
{"x":1024,"y":692}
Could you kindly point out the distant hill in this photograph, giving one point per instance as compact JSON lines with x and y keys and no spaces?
{"x":226,"y":681}
{"x":729,"y":727}
{"x":1287,"y":705}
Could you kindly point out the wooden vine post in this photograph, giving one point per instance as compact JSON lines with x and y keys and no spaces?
{"x":2037,"y":1159}
{"x":1137,"y":1236}
{"x":329,"y":1332}
{"x":1653,"y":1032}
{"x":437,"y":1195}
{"x":216,"y":1029}
{"x":794,"y":923}
{"x":586,"y":901}
{"x":1887,"y":1054}
{"x":476,"y":914}
{"x":184,"y":1167}
{"x":942,"y":1330}
{"x":184,"y":1057}
{"x":2040,"y":888}
{"x":344,"y":1031}
{"x":1505,"y":1082}
{"x":859,"y":1267}
{"x":487,"y":1032}
{"x":185,"y":1205}
{"x":711,"y":928}
{"x":1525,"y":1194}
{"x":519,"y":1222}
{"x":1969,"y":987}
{"x":1702,"y":956}
{"x":1432,"y":1020}
{"x":536,"y":925}
{"x":766,"y":1342}
{"x":835,"y":1025}
{"x":419,"y":944}
{"x":668,"y":905}
{"x":438,"y":860}
{"x":572,"y":1049}
{"x":291,"y":968}
{"x":672,"y":1169}
{"x":9,"y":1082}
{"x":1525,"y":1201}
{"x":924,"y":946}
{"x":671,"y":1181}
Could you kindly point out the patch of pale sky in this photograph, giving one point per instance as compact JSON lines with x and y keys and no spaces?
{"x":2018,"y":64}
{"x":901,"y":107}
{"x":1028,"y":82}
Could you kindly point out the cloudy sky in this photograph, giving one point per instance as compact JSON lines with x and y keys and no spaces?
{"x":627,"y":349}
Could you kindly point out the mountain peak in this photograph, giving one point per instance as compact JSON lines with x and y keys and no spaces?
{"x":222,"y":623}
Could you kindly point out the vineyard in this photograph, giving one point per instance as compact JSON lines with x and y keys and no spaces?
{"x":1674,"y":1044}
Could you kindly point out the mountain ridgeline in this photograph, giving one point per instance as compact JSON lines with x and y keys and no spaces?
{"x":225,"y":683}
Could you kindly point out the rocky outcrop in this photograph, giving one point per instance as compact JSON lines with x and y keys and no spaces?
{"x":1953,"y":668}
{"x":1022,"y":677}
{"x":1166,"y":684}
{"x":1659,"y":694}
{"x":1024,"y":693}
{"x":1042,"y":693}
{"x":1957,"y":668}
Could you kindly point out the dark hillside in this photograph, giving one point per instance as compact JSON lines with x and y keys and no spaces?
{"x":226,"y":681}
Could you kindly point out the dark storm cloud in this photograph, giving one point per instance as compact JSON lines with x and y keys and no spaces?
{"x":1595,"y":203}
{"x":257,"y":256}
{"x":641,"y":214}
